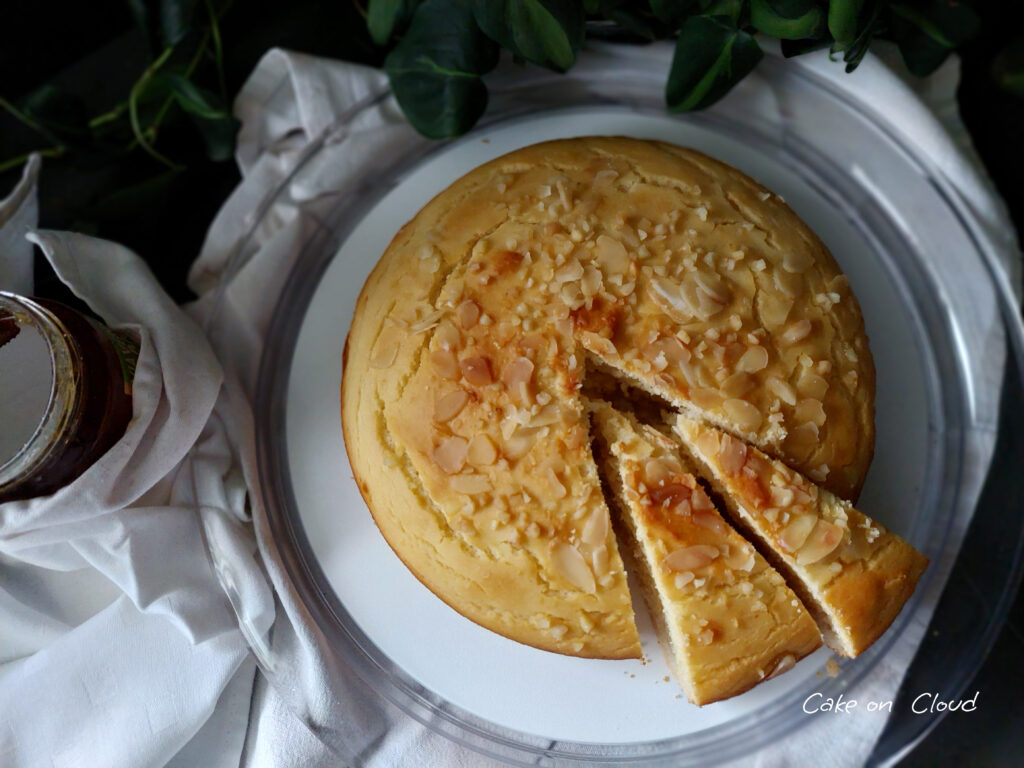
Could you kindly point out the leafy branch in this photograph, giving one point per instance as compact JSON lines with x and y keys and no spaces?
{"x":179,"y":44}
{"x":440,"y":50}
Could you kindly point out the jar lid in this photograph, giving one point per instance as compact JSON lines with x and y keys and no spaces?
{"x":35,"y":357}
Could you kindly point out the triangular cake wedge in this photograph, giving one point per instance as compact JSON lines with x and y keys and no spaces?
{"x":725,"y":619}
{"x":852,"y":574}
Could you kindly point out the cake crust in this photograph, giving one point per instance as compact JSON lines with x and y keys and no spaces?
{"x":726,"y":619}
{"x":851,"y":572}
{"x":461,"y":405}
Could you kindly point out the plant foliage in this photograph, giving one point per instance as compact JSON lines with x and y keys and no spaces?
{"x":440,"y":49}
{"x":437,"y":53}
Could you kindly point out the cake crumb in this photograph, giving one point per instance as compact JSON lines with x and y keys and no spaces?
{"x":832,"y":667}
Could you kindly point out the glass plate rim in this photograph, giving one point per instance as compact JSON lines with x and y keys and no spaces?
{"x":417,"y":697}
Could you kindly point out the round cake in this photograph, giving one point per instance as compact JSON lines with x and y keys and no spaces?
{"x":464,"y":406}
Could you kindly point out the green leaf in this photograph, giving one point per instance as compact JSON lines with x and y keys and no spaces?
{"x":711,"y":56}
{"x":671,"y":12}
{"x":546,"y":32}
{"x":207,"y":111}
{"x":193,"y":99}
{"x":1008,"y":68}
{"x":731,"y":8}
{"x":435,"y":69}
{"x":163,"y":22}
{"x":385,"y":17}
{"x":218,"y":134}
{"x":633,"y":24}
{"x":927,"y":33}
{"x":176,"y":19}
{"x":842,"y":21}
{"x":59,"y":115}
{"x":786,"y":19}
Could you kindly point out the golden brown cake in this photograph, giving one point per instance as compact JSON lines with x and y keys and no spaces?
{"x":461,"y":404}
{"x":725,"y":618}
{"x":852,"y":573}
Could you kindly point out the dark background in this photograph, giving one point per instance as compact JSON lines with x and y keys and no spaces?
{"x":93,"y":49}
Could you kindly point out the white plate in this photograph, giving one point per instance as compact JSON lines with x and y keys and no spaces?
{"x":509,"y":684}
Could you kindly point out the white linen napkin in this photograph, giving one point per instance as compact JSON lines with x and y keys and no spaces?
{"x":157,"y":671}
{"x":116,"y":641}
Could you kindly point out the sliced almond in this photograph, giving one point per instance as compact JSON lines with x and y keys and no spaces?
{"x":713,"y":286}
{"x":737,"y":385}
{"x":810,"y":410}
{"x":753,"y":360}
{"x":709,"y":520}
{"x":569,"y":272}
{"x":481,"y":451}
{"x":700,"y":500}
{"x":516,"y":377}
{"x":598,"y":344}
{"x":746,"y":415}
{"x":797,"y":332}
{"x":470,"y":485}
{"x":732,"y":455}
{"x":595,"y":530}
{"x":820,"y":543}
{"x":781,"y":389}
{"x":811,"y":384}
{"x":591,"y":282}
{"x":657,"y":471}
{"x":448,"y":406}
{"x":707,"y":443}
{"x":705,"y":397}
{"x":667,"y":296}
{"x":797,"y":260}
{"x":445,"y":364}
{"x":555,"y":486}
{"x":447,"y":336}
{"x":468,"y":312}
{"x":571,"y":565}
{"x":782,"y":496}
{"x":683,"y":578}
{"x":773,"y":309}
{"x":546,"y":416}
{"x":450,"y":454}
{"x":690,"y":558}
{"x":477,"y":370}
{"x":796,"y":532}
{"x":741,"y":558}
{"x":669,"y":495}
{"x":611,"y":255}
{"x":385,"y":349}
{"x":519,"y":443}
{"x":426,"y":322}
{"x":802,"y":440}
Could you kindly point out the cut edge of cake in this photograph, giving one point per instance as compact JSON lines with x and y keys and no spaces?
{"x":853,"y":575}
{"x":720,"y":630}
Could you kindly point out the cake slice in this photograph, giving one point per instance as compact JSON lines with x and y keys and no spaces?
{"x":851,"y":573}
{"x":725,"y":619}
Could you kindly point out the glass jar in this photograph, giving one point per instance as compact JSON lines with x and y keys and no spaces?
{"x":65,"y":393}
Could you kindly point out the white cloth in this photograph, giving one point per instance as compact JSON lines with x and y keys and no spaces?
{"x":158,"y":671}
{"x":19,"y":212}
{"x":132,"y":679}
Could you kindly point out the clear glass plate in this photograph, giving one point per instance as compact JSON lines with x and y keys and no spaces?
{"x":944,"y":332}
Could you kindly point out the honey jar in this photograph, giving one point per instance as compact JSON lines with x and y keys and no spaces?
{"x":65,"y":393}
